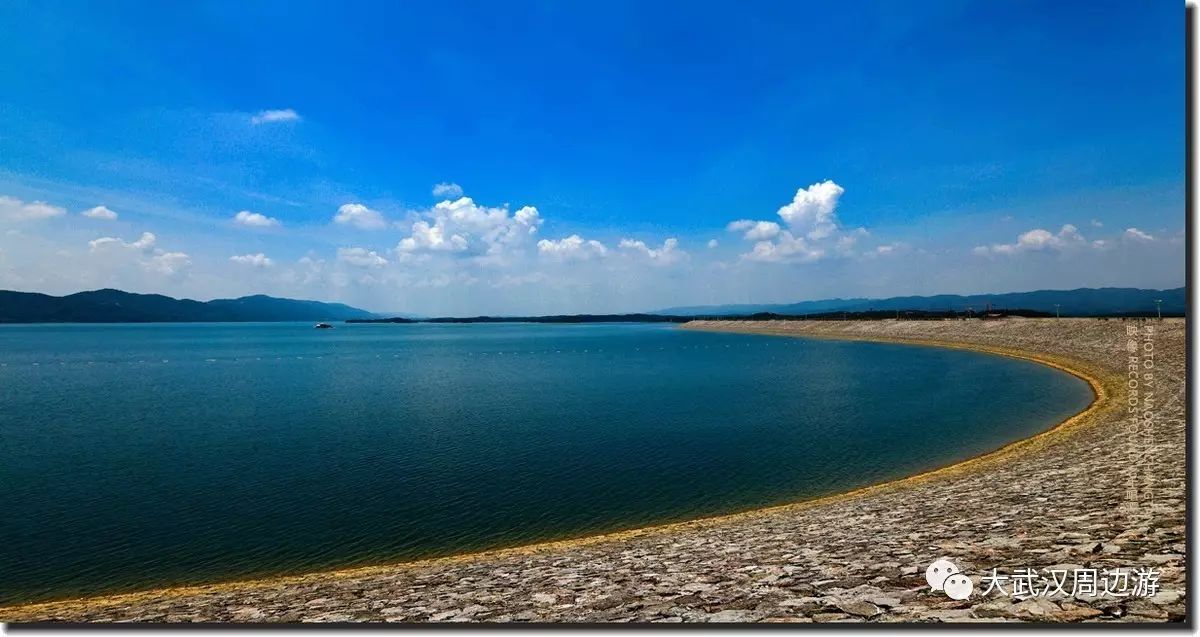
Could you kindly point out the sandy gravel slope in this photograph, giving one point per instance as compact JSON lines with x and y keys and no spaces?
{"x":1103,"y":491}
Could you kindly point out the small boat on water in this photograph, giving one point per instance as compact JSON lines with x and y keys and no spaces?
{"x":323,"y":326}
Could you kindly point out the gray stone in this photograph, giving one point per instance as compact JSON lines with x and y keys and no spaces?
{"x":859,"y":608}
{"x":733,"y":616}
{"x":829,"y":617}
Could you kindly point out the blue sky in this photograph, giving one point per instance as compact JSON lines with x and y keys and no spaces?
{"x":953,"y":146}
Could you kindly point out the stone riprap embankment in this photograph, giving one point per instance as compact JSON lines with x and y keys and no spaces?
{"x":1103,"y":491}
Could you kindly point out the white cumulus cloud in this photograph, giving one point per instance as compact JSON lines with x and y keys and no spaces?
{"x":667,"y":254}
{"x":447,"y":189}
{"x":812,"y":210}
{"x":258,"y":260}
{"x":275,"y":115}
{"x":431,"y":237}
{"x":361,"y":257}
{"x":754,"y":230}
{"x":99,"y":212}
{"x":1138,"y":235}
{"x":572,"y":248}
{"x":810,"y":229}
{"x":359,"y":216}
{"x":145,"y":243}
{"x":254,"y":220}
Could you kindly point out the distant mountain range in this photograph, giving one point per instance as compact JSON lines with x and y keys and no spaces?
{"x":115,"y":306}
{"x":1080,"y":302}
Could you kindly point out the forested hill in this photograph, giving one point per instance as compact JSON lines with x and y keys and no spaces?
{"x":115,"y":306}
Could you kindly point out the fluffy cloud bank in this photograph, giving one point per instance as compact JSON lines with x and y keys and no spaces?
{"x":788,"y":248}
{"x":459,"y":256}
{"x":465,"y":226}
{"x":1067,"y":238}
{"x":144,"y":251}
{"x":254,"y":220}
{"x":13,"y":209}
{"x":1037,"y":239}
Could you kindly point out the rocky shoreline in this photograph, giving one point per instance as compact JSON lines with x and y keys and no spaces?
{"x":1105,"y":490}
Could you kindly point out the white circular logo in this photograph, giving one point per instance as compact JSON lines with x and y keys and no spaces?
{"x":958,"y":586}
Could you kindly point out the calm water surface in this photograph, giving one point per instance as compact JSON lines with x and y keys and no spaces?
{"x":144,"y":455}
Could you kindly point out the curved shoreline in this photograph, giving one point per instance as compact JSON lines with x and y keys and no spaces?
{"x":1104,"y":386}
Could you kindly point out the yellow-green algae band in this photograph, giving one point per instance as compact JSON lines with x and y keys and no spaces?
{"x":1106,"y":387}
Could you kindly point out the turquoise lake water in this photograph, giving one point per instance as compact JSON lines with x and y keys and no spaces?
{"x":142,"y":455}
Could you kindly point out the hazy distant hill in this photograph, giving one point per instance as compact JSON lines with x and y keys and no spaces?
{"x":1080,"y":302}
{"x":115,"y":306}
